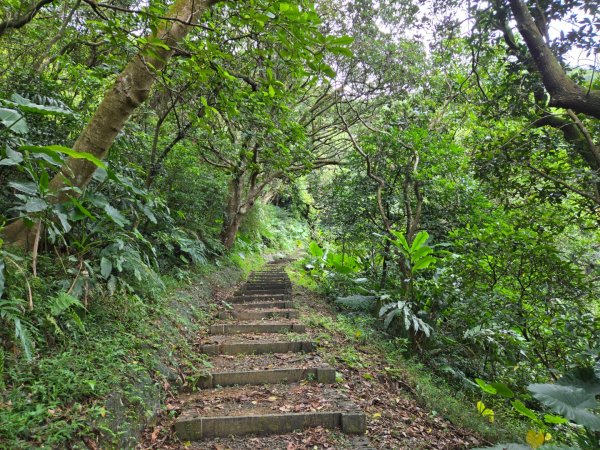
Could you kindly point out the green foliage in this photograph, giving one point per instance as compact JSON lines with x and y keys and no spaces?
{"x":107,"y":373}
{"x":410,"y":321}
{"x":506,"y":184}
{"x":315,"y":250}
{"x":572,"y":401}
{"x":11,"y":312}
{"x":333,"y":270}
{"x":357,"y":302}
{"x":572,"y":398}
{"x":495,"y":388}
{"x":365,"y":337}
{"x":418,"y":255}
{"x":64,"y":307}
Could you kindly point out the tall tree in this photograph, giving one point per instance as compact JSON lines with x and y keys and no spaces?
{"x":129,"y":91}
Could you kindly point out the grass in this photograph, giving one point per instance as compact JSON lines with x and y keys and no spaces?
{"x":106,"y":382}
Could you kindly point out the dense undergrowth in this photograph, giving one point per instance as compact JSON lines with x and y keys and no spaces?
{"x":367,"y":337}
{"x":488,"y":359}
{"x":98,"y":373}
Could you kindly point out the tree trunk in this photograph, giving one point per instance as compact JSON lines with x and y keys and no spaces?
{"x":229,"y":232}
{"x":233,"y":217}
{"x":240,"y":204}
{"x":565,"y":93}
{"x":384,"y":265}
{"x":130,"y":90}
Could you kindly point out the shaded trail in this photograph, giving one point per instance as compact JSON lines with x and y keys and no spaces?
{"x":270,"y":386}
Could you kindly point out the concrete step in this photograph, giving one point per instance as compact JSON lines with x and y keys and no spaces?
{"x":279,"y":293}
{"x":282,"y":275}
{"x":192,"y":428}
{"x":256,"y":298}
{"x":263,"y":294}
{"x":267,"y":304}
{"x":269,"y":272}
{"x":265,"y":286}
{"x":272,"y":313}
{"x":323,"y":374}
{"x":269,"y":288}
{"x":256,"y":348}
{"x":259,"y":327}
{"x":270,"y":409}
{"x":269,"y":281}
{"x":283,"y":279}
{"x":266,"y":292}
{"x":278,"y":276}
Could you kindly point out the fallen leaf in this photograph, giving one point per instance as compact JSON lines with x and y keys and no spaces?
{"x":535,"y":438}
{"x":154,"y":435}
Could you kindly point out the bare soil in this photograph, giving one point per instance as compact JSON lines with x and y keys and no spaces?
{"x":256,"y":400}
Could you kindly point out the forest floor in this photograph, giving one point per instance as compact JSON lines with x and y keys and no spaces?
{"x":396,"y":418}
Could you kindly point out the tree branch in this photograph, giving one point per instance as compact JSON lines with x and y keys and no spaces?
{"x":380,"y":181}
{"x":96,"y":5}
{"x":563,"y":184}
{"x":565,"y":93}
{"x":23,"y":20}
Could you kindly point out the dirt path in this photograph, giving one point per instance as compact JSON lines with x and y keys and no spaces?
{"x":280,"y":380}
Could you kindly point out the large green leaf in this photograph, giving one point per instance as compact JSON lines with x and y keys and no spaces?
{"x":400,"y":241}
{"x":14,"y":120}
{"x":105,"y":267}
{"x":582,"y":377}
{"x":24,"y":104}
{"x":55,"y":150}
{"x":486,"y":387}
{"x":356,"y":302}
{"x":420,"y":253}
{"x":569,"y":401}
{"x":315,"y":250}
{"x":114,"y":215}
{"x":389,"y":317}
{"x":12,"y":158}
{"x":503,"y":389}
{"x":22,"y":333}
{"x":419,"y":240}
{"x":551,"y":418}
{"x":424,"y":263}
{"x":26,"y":187}
{"x":35,"y":204}
{"x":342,"y":40}
{"x":524,"y":410}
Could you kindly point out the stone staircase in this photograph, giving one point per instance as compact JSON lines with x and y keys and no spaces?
{"x":266,"y":377}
